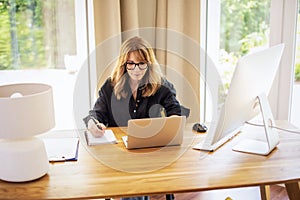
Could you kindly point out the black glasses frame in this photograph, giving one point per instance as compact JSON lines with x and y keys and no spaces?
{"x":136,"y":64}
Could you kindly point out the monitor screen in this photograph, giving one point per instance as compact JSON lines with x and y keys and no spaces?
{"x":253,"y":76}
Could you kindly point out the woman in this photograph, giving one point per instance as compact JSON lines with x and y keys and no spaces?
{"x":136,"y":89}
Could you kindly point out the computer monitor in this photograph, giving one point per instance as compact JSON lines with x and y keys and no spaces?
{"x":250,"y":84}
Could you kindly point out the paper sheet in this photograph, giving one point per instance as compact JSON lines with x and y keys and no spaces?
{"x":62,"y":149}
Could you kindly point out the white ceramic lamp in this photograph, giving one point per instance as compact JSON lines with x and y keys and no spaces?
{"x":26,"y":110}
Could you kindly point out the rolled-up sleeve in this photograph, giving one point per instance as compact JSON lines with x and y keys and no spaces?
{"x":100,"y":109}
{"x":169,"y":101}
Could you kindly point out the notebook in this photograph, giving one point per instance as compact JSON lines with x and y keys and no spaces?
{"x":154,"y":132}
{"x":107,"y":138}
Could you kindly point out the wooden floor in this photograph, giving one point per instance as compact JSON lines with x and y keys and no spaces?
{"x":251,"y":193}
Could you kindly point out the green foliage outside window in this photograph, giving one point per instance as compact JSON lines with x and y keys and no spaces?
{"x":297,"y":72}
{"x":21,"y":34}
{"x":243,"y":25}
{"x":297,"y":65}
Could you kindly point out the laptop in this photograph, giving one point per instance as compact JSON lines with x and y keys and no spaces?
{"x":154,"y":132}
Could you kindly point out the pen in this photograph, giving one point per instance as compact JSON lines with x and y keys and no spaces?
{"x":95,"y":121}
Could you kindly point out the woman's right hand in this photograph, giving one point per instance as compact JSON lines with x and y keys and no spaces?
{"x":96,"y":128}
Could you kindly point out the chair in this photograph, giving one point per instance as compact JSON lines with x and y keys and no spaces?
{"x":170,"y":197}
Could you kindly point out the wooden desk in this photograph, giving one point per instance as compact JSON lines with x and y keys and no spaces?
{"x":117,"y":172}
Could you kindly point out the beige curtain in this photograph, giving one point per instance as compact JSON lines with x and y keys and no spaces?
{"x":173,"y":29}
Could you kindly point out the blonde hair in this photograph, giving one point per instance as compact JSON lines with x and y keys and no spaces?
{"x":152,"y":78}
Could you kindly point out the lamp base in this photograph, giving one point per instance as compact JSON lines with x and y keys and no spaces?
{"x":23,"y":160}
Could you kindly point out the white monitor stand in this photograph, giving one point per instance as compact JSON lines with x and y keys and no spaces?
{"x":272,"y":138}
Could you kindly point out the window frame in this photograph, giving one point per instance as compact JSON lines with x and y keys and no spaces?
{"x":283,"y":22}
{"x":283,"y":26}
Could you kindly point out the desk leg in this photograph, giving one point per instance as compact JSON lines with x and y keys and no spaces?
{"x":265,"y":192}
{"x":293,"y":190}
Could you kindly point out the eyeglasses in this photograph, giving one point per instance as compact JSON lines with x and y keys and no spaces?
{"x":132,"y":65}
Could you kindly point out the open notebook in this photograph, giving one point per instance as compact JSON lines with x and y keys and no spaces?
{"x":107,"y":138}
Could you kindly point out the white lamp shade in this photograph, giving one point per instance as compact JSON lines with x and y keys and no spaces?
{"x":26,"y":110}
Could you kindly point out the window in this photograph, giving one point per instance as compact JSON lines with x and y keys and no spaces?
{"x":233,"y":29}
{"x":46,"y":42}
{"x":295,"y":117}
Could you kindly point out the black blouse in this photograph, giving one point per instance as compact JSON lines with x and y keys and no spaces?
{"x":113,"y":112}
